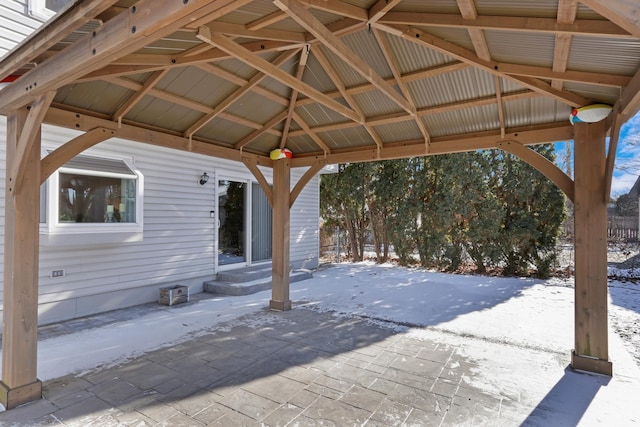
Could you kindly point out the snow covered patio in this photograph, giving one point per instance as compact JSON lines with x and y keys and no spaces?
{"x":364,"y":344}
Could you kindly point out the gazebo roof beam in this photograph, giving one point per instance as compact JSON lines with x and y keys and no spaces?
{"x":589,"y":27}
{"x":338,"y":47}
{"x":422,"y":38}
{"x":624,"y":13}
{"x":125,"y":33}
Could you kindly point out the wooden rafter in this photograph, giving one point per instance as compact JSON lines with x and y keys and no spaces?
{"x":479,"y":41}
{"x":624,"y":13}
{"x":56,"y":30}
{"x":263,"y":34}
{"x":338,"y":47}
{"x":567,"y":11}
{"x":500,"y":104}
{"x":185,"y":102}
{"x":236,"y":95}
{"x":137,"y":96}
{"x":264,"y":129}
{"x":629,"y":102}
{"x":126,"y":33}
{"x":422,"y":38}
{"x":380,"y":9}
{"x":395,"y":70}
{"x":146,"y":63}
{"x":266,"y":67}
{"x":527,"y":24}
{"x":335,"y":78}
{"x":310,"y":133}
{"x":72,"y":120}
{"x":442,"y":145}
{"x":426,"y":111}
{"x":302,"y":64}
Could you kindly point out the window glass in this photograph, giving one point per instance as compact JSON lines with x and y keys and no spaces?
{"x":96,"y":199}
{"x":56,"y":5}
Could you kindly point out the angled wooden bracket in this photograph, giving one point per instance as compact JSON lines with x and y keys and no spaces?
{"x":68,"y":151}
{"x":26,"y":139}
{"x":252,"y":165}
{"x":542,"y":165}
{"x":304,"y":180}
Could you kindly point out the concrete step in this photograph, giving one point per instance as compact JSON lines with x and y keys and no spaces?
{"x":245,"y":274}
{"x":251,"y":287}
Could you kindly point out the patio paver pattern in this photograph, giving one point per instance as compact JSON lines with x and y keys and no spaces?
{"x":291,"y":368}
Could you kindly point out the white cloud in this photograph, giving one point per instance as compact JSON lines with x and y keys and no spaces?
{"x":622,"y":182}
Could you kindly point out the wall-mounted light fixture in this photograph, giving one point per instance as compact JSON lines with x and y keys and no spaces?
{"x":204,"y":178}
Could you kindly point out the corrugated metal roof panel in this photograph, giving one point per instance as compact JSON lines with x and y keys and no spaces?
{"x":196,"y":85}
{"x":476,"y":119}
{"x":597,"y":54}
{"x":604,"y":94}
{"x":225,"y":131}
{"x":156,"y":112}
{"x":315,"y":76}
{"x":509,"y":86}
{"x":413,"y":57}
{"x":349,"y":138}
{"x":508,"y":46}
{"x":408,"y":129}
{"x":537,"y":8}
{"x":264,"y":143}
{"x":346,"y":74}
{"x":249,"y":13}
{"x":531,"y":111}
{"x":452,"y":87}
{"x":255,"y":108}
{"x":431,"y":6}
{"x":301,"y":144}
{"x":319,"y":115}
{"x":584,"y":12}
{"x":365,"y":45}
{"x":375,"y":103}
{"x":459,"y":36}
{"x":98,"y":96}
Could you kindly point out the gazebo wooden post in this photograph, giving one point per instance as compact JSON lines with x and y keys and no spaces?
{"x":21,"y":252}
{"x":280,"y":236}
{"x":591,"y":352}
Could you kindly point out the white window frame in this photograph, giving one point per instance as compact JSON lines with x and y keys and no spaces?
{"x":38,"y":9}
{"x":54,"y":232}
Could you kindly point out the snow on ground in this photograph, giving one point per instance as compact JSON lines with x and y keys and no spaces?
{"x":519,"y":329}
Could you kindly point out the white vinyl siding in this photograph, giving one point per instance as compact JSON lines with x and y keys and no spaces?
{"x":305,"y":214}
{"x":15,"y":24}
{"x":178,"y":238}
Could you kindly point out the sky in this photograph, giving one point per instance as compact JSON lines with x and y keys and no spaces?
{"x":627,"y":165}
{"x":518,"y":332}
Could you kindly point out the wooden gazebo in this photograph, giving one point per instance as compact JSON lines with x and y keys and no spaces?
{"x":334,"y":82}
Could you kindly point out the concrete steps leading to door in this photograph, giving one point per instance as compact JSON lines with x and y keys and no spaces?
{"x":248,"y":280}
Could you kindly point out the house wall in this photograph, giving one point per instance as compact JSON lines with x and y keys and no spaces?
{"x":15,"y":24}
{"x":178,"y":238}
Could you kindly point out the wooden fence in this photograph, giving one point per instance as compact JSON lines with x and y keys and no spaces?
{"x":622,"y":228}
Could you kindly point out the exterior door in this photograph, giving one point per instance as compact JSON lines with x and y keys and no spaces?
{"x":232,"y":202}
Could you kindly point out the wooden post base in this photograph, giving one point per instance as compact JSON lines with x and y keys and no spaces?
{"x":13,"y":397}
{"x":280,"y":305}
{"x":591,"y":364}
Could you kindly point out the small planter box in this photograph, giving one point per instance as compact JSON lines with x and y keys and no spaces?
{"x":174,"y":295}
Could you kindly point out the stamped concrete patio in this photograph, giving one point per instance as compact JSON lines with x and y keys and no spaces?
{"x":305,"y":367}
